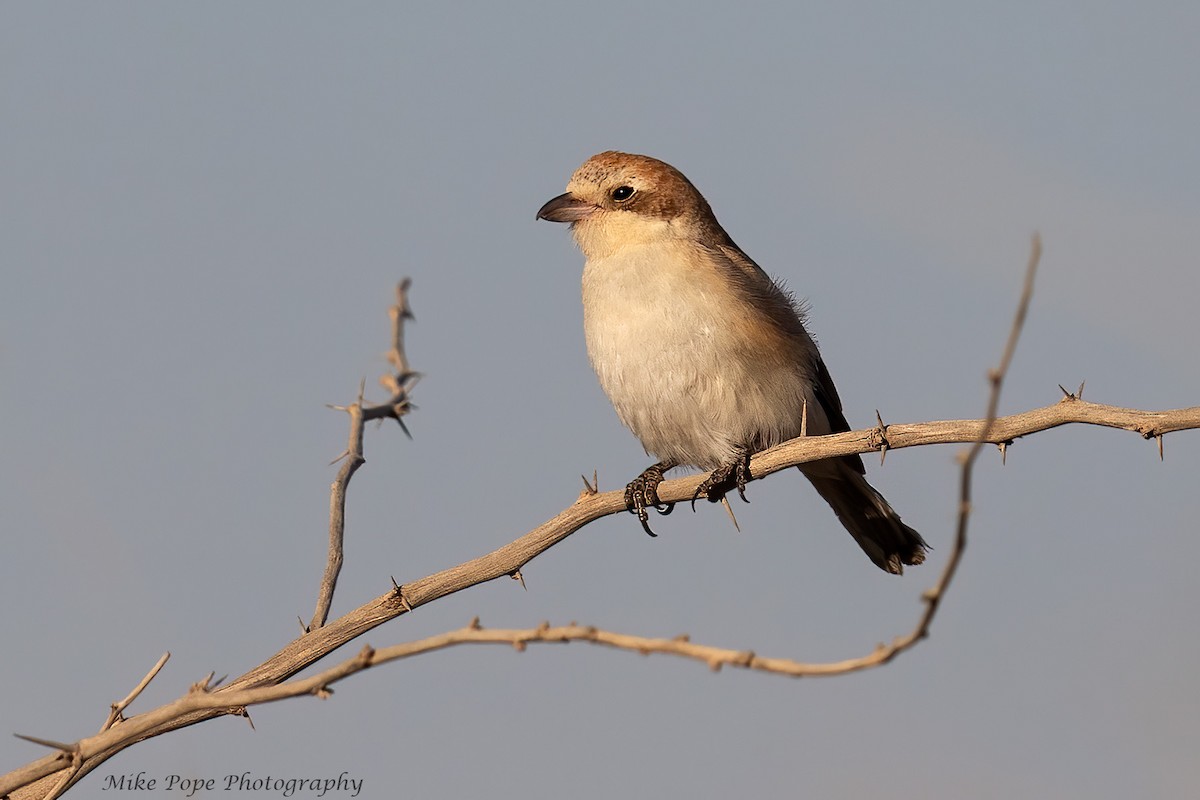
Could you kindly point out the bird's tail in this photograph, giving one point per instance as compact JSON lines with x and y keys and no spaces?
{"x":871,"y":521}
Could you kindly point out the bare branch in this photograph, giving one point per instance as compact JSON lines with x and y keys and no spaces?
{"x":933,"y":597}
{"x":352,"y":459}
{"x":117,"y":709}
{"x":399,"y":384}
{"x":399,"y":313}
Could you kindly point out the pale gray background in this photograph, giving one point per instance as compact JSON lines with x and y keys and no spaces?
{"x":205,"y":208}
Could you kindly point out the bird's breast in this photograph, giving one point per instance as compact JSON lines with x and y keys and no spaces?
{"x":691,"y":369}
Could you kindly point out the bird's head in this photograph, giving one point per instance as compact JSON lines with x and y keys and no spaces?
{"x":619,"y":199}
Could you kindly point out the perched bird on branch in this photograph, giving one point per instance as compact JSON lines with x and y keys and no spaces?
{"x":705,"y":358}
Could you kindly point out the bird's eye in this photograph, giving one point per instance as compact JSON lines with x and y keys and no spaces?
{"x":622,"y":193}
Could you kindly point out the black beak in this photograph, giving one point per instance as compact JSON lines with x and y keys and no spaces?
{"x":566,"y":208}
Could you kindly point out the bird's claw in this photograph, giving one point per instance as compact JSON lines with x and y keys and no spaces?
{"x":734,"y":475}
{"x":642,"y":493}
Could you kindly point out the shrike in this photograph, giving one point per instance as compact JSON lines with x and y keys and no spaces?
{"x":705,"y":358}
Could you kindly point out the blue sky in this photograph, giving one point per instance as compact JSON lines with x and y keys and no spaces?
{"x":206,"y":207}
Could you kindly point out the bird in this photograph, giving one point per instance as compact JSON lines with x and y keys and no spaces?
{"x":704,"y":356}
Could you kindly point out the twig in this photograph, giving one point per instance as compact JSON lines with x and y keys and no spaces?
{"x":933,"y":597}
{"x":352,"y":458}
{"x":398,"y":313}
{"x":399,"y":384}
{"x":117,"y":709}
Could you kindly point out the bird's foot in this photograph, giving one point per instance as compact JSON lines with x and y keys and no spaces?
{"x":642,"y":493}
{"x":733,"y":475}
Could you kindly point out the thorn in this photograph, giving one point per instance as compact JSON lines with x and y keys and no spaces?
{"x":474,"y":624}
{"x":804,"y":418}
{"x":398,"y":590}
{"x":201,"y":685}
{"x":245,"y":712}
{"x":1076,"y":395}
{"x":339,"y":458}
{"x":303,"y":627}
{"x":53,"y":745}
{"x":592,"y":487}
{"x":1003,"y":453}
{"x":729,"y":508}
{"x":1160,"y":446}
{"x":403,"y":427}
{"x":517,"y":576}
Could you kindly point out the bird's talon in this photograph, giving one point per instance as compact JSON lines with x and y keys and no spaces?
{"x":642,"y":493}
{"x":742,"y":475}
{"x":733,"y":475}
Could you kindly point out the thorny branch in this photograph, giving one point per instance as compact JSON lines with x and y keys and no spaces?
{"x":57,"y":771}
{"x":400,"y":385}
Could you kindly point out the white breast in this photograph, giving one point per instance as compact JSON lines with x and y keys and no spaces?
{"x":664,"y":337}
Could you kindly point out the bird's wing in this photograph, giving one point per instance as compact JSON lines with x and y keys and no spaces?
{"x":786,"y":313}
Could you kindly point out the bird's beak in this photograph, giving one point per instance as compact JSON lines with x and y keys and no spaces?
{"x":566,"y":208}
